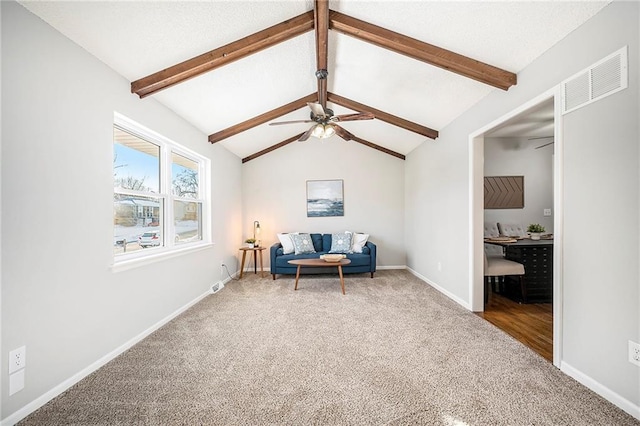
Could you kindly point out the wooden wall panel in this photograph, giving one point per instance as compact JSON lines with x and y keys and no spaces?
{"x":504,"y":192}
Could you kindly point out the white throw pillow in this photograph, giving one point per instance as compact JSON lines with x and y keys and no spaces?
{"x":287,"y":243}
{"x":358,"y":242}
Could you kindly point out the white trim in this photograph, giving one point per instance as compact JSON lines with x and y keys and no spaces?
{"x":57,"y":390}
{"x":476,"y":173}
{"x":601,"y":390}
{"x":442,"y":290}
{"x":390,"y":267}
{"x":166,"y":148}
{"x":124,"y":265}
{"x":558,"y":229}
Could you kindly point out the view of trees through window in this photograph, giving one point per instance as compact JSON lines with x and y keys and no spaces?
{"x":152,"y":182}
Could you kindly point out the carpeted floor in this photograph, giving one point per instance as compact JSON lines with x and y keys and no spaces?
{"x":392,"y":351}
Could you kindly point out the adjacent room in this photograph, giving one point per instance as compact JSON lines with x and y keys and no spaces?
{"x":274,"y":212}
{"x":518,"y":169}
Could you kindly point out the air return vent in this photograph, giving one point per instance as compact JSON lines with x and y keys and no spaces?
{"x":601,"y":79}
{"x":217,"y":287}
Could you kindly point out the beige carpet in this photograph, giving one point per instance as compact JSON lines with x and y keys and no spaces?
{"x":392,"y":351}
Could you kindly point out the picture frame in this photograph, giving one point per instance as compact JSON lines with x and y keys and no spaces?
{"x":325,"y":198}
{"x":503,"y":192}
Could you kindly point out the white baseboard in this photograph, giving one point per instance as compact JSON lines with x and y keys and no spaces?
{"x":447,"y":293}
{"x":57,"y":390}
{"x":384,"y":268}
{"x":601,"y":390}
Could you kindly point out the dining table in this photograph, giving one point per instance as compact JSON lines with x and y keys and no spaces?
{"x":537,"y":258}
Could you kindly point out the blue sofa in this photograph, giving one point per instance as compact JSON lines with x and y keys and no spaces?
{"x":360,"y":262}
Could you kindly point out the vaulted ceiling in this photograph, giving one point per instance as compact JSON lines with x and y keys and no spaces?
{"x":232,"y":67}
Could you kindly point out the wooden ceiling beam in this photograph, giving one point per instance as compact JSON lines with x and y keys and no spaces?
{"x":262,"y":118}
{"x":321,"y":9}
{"x":378,"y":147}
{"x":421,"y":51}
{"x":271,"y":148}
{"x":381,"y":115}
{"x":223,"y":55}
{"x":296,"y":137}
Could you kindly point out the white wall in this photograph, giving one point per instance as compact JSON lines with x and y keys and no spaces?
{"x":519,"y":157}
{"x":59,"y":296}
{"x":274,"y":193}
{"x":601,"y":298}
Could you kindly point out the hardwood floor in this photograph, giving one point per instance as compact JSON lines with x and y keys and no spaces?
{"x":531,"y":324}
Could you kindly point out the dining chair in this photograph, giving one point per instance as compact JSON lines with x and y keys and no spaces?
{"x":512,"y":230}
{"x":491,"y":230}
{"x":498,"y":267}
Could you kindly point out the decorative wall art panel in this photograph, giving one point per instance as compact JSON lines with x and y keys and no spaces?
{"x":325,"y":198}
{"x":504,"y":192}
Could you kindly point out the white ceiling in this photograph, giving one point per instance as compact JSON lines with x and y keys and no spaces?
{"x":537,"y":122}
{"x":138,"y":38}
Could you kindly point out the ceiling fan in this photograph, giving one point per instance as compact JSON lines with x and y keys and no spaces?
{"x":325,"y":119}
{"x":322,"y":116}
{"x":545,"y":144}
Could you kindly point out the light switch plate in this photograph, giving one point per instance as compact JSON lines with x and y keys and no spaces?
{"x":16,"y":382}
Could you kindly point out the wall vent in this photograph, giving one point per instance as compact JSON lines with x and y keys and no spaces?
{"x":602,"y":79}
{"x":217,"y":287}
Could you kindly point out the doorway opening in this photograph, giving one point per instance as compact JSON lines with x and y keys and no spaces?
{"x":526,"y":142}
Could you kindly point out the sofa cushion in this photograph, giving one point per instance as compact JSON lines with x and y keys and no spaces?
{"x":318,"y":243}
{"x":341,"y":243}
{"x":285,"y":258}
{"x":302,"y":243}
{"x":358,"y":259}
{"x":326,"y":242}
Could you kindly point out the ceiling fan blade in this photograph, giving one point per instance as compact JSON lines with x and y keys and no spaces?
{"x":546,"y":144}
{"x":353,"y":117}
{"x":277,"y":123}
{"x":317,"y":109}
{"x":306,"y":135}
{"x":344,"y":134}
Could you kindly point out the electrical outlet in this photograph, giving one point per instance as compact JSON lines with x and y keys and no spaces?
{"x":439,"y":266}
{"x":222,"y":265}
{"x":17,"y":359}
{"x":634,"y":353}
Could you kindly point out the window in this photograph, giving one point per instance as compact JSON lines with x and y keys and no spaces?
{"x":159,"y":193}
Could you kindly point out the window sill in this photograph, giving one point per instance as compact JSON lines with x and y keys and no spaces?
{"x":124,"y":265}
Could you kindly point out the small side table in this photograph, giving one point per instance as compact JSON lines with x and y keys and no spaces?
{"x":255,"y":266}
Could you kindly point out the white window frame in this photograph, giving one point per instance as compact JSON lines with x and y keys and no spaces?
{"x":170,"y":249}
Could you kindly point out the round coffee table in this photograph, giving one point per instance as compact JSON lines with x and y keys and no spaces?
{"x":319,"y":263}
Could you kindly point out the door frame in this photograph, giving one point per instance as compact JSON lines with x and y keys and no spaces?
{"x":476,"y":212}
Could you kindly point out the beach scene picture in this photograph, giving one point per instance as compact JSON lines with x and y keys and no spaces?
{"x":325,"y":198}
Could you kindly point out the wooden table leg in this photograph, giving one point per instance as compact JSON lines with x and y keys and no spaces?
{"x":261,"y":267}
{"x":255,"y":262}
{"x":341,"y":277}
{"x":297,"y":276}
{"x":244,"y":255}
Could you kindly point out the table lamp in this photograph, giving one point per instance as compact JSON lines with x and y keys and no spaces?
{"x":256,"y":231}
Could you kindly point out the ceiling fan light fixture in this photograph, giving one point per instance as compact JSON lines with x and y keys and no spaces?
{"x":323,"y":131}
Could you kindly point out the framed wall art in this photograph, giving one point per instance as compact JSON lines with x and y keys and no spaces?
{"x":325,"y":198}
{"x":504,"y":192}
